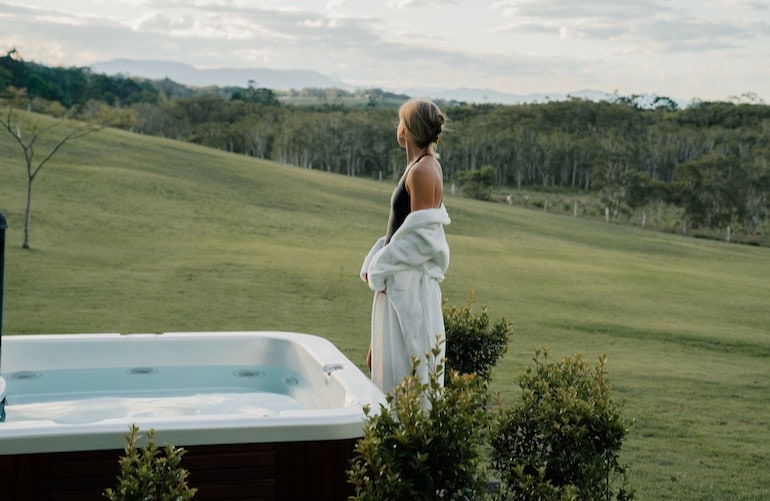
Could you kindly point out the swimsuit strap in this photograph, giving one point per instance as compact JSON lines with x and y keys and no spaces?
{"x":418,"y":159}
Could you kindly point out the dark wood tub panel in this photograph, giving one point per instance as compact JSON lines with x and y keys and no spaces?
{"x":313,"y":470}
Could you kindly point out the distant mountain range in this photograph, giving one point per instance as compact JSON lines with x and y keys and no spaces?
{"x":493,"y":96}
{"x":299,"y":79}
{"x":221,"y":77}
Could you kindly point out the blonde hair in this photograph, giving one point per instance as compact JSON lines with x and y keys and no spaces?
{"x":423,"y":121}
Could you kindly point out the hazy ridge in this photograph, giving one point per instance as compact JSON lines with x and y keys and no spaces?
{"x":299,"y":79}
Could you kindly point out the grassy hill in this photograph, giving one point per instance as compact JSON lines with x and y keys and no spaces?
{"x":139,"y":234}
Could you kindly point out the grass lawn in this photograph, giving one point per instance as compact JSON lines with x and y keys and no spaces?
{"x":139,"y":234}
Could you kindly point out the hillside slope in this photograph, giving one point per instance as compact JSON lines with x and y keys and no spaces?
{"x":140,"y":234}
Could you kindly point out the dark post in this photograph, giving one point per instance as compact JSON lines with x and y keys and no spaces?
{"x":3,"y":226}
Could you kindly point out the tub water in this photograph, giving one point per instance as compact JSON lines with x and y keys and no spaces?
{"x":70,"y":393}
{"x":72,"y":396}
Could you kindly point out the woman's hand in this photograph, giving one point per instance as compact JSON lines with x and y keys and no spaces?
{"x":369,"y":358}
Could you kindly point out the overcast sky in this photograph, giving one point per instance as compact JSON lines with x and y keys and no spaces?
{"x":684,"y":49}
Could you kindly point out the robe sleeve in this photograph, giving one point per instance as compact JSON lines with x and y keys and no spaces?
{"x":365,"y":266}
{"x":407,"y":250}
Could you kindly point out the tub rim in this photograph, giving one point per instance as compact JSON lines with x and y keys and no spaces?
{"x":342,"y":422}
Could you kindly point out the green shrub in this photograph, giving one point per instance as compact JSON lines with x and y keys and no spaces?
{"x":425,"y":443}
{"x":478,"y":183}
{"x":473,"y":343}
{"x":150,"y":473}
{"x":562,"y":441}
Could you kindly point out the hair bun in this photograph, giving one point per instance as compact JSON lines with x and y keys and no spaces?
{"x":423,"y":121}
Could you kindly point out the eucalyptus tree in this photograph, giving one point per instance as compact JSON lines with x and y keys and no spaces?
{"x":255,"y":134}
{"x":754,"y":158}
{"x":711,"y":192}
{"x":614,"y":174}
{"x":758,"y":190}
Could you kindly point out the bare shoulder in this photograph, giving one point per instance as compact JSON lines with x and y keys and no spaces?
{"x":425,"y":183}
{"x":427,"y":168}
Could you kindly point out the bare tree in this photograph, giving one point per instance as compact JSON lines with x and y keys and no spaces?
{"x":74,"y":130}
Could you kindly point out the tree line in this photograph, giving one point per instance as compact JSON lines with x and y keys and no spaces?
{"x":709,"y":159}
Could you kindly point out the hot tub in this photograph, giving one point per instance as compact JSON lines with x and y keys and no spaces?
{"x":263,"y":415}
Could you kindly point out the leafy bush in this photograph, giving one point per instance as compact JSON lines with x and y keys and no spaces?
{"x":562,"y":441}
{"x":150,"y":473}
{"x":473,"y":343}
{"x":478,"y":183}
{"x":425,"y":443}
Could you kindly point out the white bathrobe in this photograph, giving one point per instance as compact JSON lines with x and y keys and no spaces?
{"x":406,"y":313}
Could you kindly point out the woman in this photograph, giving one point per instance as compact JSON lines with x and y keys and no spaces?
{"x":405,"y":267}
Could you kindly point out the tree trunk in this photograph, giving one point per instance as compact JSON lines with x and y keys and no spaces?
{"x":27,"y":214}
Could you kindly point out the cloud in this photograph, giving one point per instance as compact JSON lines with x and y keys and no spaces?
{"x":585,"y":30}
{"x":646,"y":24}
{"x":407,"y":4}
{"x":571,"y":10}
{"x":559,"y":45}
{"x":747,"y":5}
{"x":669,"y":30}
{"x":158,"y":22}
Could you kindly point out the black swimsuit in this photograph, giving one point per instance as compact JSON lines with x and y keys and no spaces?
{"x":400,"y":203}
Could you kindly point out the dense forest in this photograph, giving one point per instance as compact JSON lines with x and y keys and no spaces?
{"x":709,"y":160}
